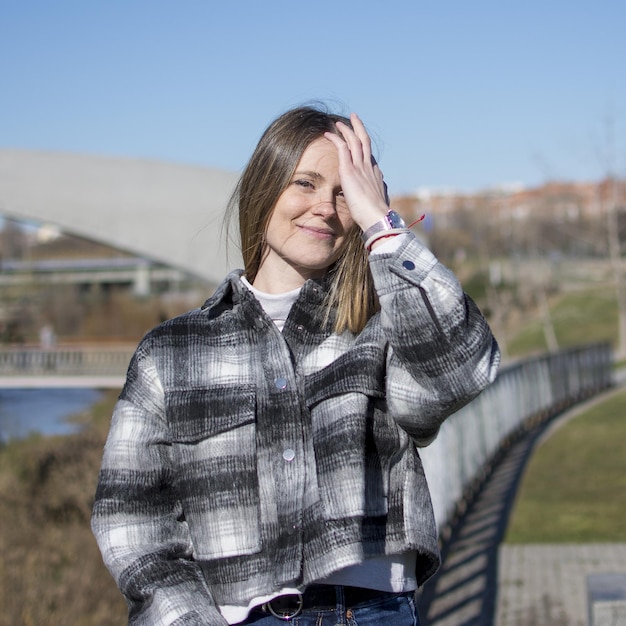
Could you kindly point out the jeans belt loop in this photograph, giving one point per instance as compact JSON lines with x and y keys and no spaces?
{"x":284,"y":615}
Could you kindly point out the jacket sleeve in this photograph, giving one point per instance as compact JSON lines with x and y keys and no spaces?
{"x":137,"y":520}
{"x":442,"y":353}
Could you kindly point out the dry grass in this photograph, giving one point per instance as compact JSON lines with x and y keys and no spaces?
{"x":51,"y":572}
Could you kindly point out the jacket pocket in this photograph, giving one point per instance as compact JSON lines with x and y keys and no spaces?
{"x":214,"y":433}
{"x":359,"y":370}
{"x":353,"y":437}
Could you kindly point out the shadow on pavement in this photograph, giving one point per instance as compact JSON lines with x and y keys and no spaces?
{"x":464,"y":590}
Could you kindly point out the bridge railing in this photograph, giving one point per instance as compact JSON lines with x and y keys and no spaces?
{"x":65,"y":361}
{"x":524,"y":394}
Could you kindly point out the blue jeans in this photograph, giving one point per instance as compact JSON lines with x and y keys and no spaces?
{"x":397,"y":610}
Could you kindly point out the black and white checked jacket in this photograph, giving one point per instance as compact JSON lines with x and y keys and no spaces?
{"x":241,"y":460}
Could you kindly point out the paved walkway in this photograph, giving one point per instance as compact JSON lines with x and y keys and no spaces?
{"x":484,"y":583}
{"x":546,"y":585}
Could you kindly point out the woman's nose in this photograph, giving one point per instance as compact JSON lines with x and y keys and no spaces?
{"x":325,"y":206}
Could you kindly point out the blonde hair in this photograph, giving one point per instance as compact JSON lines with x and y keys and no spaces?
{"x":264,"y":179}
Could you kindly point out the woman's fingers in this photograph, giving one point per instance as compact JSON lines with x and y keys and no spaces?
{"x":361,"y":178}
{"x":352,"y":142}
{"x":362,"y":134}
{"x":357,"y":139}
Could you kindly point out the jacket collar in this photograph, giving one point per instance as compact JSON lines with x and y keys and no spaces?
{"x":233,"y":291}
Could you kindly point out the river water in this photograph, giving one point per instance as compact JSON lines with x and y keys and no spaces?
{"x":45,"y":411}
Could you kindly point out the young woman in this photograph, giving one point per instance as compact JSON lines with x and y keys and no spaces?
{"x":262,"y":462}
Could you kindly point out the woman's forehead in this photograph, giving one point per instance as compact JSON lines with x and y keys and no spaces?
{"x":320,"y":155}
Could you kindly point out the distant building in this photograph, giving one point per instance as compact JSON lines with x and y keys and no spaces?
{"x":566,"y":201}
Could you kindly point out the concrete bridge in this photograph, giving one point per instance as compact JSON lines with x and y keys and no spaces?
{"x":170,"y":213}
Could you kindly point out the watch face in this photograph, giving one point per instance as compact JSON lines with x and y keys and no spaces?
{"x":395,"y":221}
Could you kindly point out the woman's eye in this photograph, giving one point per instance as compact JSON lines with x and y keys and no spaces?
{"x":306,"y":184}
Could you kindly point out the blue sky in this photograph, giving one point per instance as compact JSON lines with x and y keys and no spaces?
{"x":462,"y":95}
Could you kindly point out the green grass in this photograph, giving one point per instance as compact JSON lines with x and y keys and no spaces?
{"x":586,"y":317}
{"x":574,"y":489}
{"x":578,"y":317}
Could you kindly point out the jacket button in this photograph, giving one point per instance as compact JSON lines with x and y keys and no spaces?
{"x":408,"y":265}
{"x":281,"y":383}
{"x":289,"y":454}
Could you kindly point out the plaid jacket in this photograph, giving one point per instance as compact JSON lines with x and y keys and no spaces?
{"x":241,"y":460}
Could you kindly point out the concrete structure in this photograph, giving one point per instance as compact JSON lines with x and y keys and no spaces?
{"x":139,"y":273}
{"x":607,"y":599}
{"x":167,"y":212}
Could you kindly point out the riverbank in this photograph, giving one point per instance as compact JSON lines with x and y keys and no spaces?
{"x":51,"y":571}
{"x":43,"y":410}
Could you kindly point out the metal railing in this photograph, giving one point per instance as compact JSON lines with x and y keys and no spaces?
{"x":523,"y":395}
{"x":67,"y":361}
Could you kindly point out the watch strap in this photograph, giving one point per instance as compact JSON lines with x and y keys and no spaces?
{"x":391,"y":221}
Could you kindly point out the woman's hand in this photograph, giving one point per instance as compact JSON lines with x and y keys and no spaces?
{"x":361,"y":179}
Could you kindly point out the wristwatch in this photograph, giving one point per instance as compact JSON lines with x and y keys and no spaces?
{"x":391,"y":221}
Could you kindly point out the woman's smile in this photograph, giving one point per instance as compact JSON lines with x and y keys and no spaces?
{"x":317,"y":231}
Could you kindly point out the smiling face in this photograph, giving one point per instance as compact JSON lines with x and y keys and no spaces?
{"x":309,"y":223}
